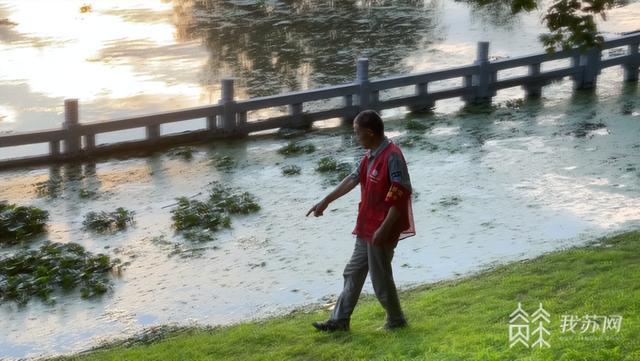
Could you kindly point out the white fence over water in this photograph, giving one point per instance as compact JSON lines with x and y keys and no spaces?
{"x":480,"y":82}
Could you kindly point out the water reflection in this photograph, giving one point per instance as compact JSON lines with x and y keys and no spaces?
{"x":290,"y":45}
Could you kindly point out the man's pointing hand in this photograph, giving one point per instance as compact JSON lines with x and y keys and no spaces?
{"x":318,"y":209}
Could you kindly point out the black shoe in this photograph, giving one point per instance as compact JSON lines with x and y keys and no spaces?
{"x":392,"y":325}
{"x":332,"y":325}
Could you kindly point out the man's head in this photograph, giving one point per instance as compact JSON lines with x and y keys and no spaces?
{"x":369,"y":128}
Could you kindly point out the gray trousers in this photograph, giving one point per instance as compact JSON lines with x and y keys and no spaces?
{"x":375,"y":260}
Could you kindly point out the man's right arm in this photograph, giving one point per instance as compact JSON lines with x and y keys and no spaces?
{"x":347,"y":184}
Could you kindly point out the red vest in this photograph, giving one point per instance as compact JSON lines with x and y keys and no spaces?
{"x":378,"y":194}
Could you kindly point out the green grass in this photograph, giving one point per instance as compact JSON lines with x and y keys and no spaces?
{"x":465,"y":319}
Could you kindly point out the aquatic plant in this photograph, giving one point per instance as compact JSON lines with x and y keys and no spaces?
{"x":51,"y":188}
{"x":223,"y":162}
{"x":18,"y":223}
{"x":198,"y":235}
{"x":583,"y":128}
{"x":85,"y":193}
{"x":185,"y":153}
{"x":213,"y":213}
{"x":295,"y":148}
{"x":410,"y":141}
{"x":415,"y":125}
{"x":449,"y":201}
{"x":54,"y":266}
{"x":192,"y":213}
{"x":289,"y":133}
{"x":290,"y":170}
{"x":335,"y":171}
{"x":185,"y":250}
{"x":327,"y":164}
{"x":108,"y":221}
{"x":232,"y":201}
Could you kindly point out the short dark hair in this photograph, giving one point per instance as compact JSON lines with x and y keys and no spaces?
{"x":370,"y":119}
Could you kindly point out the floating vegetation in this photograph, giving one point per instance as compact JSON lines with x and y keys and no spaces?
{"x":514,"y":103}
{"x":38,"y":273}
{"x":86,"y":194}
{"x":327,"y":164}
{"x":51,"y":188}
{"x":295,"y":148}
{"x":290,"y":170}
{"x":288,"y":133}
{"x":108,"y":221}
{"x":482,"y":108}
{"x":415,"y":125}
{"x":185,"y":153}
{"x":335,"y":170}
{"x":198,"y":235}
{"x":214,"y":213}
{"x":18,"y":223}
{"x":223,"y":162}
{"x":583,"y":128}
{"x":180,"y":249}
{"x":257,"y":265}
{"x":232,"y":200}
{"x":410,"y":141}
{"x":194,"y":213}
{"x":449,"y":201}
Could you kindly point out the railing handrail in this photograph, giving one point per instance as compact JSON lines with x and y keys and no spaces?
{"x":229,"y":116}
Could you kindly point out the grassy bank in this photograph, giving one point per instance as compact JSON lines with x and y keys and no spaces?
{"x":466,"y":319}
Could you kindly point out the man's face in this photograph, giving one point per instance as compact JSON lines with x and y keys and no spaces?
{"x":365,"y":136}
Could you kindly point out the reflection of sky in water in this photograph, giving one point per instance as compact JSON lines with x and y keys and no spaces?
{"x":160,"y":55}
{"x":530,"y":180}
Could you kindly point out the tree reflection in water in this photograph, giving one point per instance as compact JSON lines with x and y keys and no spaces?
{"x":272,"y":47}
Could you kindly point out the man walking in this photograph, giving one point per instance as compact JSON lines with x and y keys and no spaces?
{"x":384,"y":217}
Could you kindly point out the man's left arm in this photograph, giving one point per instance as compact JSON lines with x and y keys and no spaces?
{"x":397,"y":196}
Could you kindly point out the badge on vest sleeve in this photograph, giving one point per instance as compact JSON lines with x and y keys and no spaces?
{"x":394,"y":194}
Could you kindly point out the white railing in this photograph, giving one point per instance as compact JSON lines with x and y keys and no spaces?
{"x":228,"y":118}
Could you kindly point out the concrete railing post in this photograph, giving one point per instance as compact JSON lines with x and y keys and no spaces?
{"x":589,"y":63}
{"x":241,"y":123}
{"x":425,"y":104}
{"x":631,"y":68}
{"x":534,"y":88}
{"x":153,"y":131}
{"x":89,"y":142}
{"x":71,"y":126}
{"x":347,"y":102}
{"x":227,"y":100}
{"x":295,"y":111}
{"x":54,"y":148}
{"x":362,"y":78}
{"x":483,"y":78}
